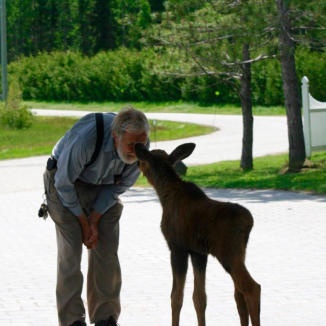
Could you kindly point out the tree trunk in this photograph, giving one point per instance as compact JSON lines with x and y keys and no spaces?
{"x":291,"y":91}
{"x":246,"y":105}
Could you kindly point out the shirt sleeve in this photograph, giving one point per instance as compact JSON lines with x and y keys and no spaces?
{"x":70,"y":164}
{"x":109,"y":194}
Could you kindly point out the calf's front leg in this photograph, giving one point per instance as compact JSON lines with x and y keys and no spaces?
{"x":179,"y":264}
{"x":199,"y":263}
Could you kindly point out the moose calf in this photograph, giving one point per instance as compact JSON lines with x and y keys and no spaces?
{"x":195,"y":225}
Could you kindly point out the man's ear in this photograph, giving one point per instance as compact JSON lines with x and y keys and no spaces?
{"x":115,"y":137}
{"x":181,"y":152}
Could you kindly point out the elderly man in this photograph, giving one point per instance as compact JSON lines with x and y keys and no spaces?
{"x":90,"y":166}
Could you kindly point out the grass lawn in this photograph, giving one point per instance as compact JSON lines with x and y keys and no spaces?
{"x":46,"y":131}
{"x":267,"y":172}
{"x":176,"y":107}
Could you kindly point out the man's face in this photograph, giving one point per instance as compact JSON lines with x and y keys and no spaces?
{"x":125,"y":145}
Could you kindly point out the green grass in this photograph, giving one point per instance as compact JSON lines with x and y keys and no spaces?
{"x":168,"y":130}
{"x":45,"y":132}
{"x":163,"y":107}
{"x":37,"y":140}
{"x":267,"y":174}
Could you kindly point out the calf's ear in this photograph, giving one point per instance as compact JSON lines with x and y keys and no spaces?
{"x":181,"y":152}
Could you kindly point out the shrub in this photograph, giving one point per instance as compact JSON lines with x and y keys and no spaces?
{"x":12,"y":113}
{"x":267,"y":83}
{"x":313,"y":65}
{"x":132,"y":75}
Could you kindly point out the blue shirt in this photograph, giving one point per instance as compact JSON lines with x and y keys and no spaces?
{"x":75,"y":149}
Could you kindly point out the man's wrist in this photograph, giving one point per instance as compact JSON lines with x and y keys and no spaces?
{"x":94,"y":217}
{"x":82,"y":219}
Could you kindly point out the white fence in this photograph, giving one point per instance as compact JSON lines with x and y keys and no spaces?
{"x":314,"y":120}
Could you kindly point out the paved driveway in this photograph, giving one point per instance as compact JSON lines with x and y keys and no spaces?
{"x":270,"y":135}
{"x":286,"y":253}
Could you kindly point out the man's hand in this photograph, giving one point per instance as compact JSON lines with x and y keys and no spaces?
{"x":85,"y":229}
{"x":89,"y":227}
{"x":93,"y":220}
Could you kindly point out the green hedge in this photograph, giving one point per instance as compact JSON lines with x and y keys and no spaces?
{"x":129,"y":75}
{"x":108,"y":76}
{"x":313,"y":65}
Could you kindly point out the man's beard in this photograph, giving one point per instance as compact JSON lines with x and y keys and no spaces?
{"x":126,"y":158}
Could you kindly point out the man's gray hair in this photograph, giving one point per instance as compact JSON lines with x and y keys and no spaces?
{"x":131,"y":120}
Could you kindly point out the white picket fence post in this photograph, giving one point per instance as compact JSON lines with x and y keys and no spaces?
{"x":314,"y":120}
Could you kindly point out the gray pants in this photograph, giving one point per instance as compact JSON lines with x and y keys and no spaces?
{"x":104,"y":274}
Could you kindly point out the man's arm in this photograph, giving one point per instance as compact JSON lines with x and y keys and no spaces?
{"x":86,"y":230}
{"x":93,"y":220}
{"x":107,"y":198}
{"x":109,"y":194}
{"x":70,"y":165}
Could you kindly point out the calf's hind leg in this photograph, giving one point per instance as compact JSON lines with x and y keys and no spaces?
{"x":242,"y":308}
{"x":179,"y":264}
{"x":247,"y":294}
{"x":199,"y":263}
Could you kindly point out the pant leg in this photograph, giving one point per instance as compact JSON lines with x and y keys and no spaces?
{"x":104,"y":274}
{"x":69,"y":245}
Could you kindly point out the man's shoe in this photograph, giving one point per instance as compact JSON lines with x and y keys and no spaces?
{"x":78,"y":323}
{"x":108,"y":322}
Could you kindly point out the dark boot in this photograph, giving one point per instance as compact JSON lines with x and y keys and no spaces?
{"x":108,"y":322}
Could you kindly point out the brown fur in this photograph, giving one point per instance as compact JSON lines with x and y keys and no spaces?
{"x":195,"y":225}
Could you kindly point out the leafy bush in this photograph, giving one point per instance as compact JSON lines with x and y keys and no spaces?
{"x":120,"y":75}
{"x":267,"y":83}
{"x":313,"y":65}
{"x":132,"y":75}
{"x":116,"y":75}
{"x":20,"y":118}
{"x":12,"y":113}
{"x":54,"y":76}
